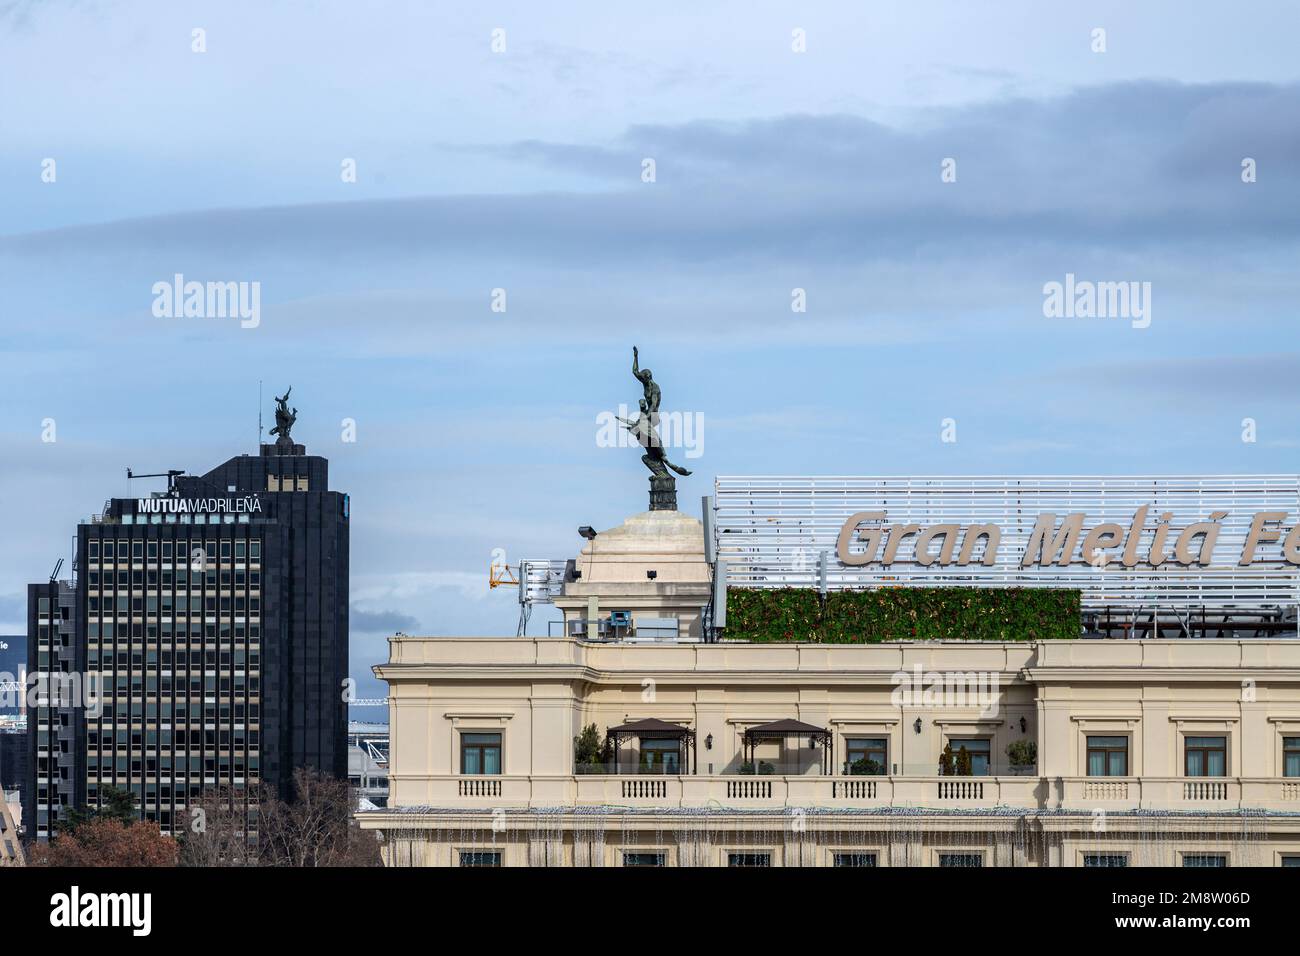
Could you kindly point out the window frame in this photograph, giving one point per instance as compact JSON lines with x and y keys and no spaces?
{"x":483,"y":748}
{"x":1089,"y":749}
{"x":866,"y":752}
{"x":1188,"y":750}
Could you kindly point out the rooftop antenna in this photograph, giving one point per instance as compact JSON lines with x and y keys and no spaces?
{"x":171,"y":475}
{"x":259,"y":413}
{"x":54,"y":575}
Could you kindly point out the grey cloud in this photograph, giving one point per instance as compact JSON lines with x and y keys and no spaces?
{"x":374,"y":622}
{"x":1261,"y":377}
{"x":1127,"y":164}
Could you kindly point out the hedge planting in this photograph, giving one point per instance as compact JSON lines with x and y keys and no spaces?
{"x":798,"y":615}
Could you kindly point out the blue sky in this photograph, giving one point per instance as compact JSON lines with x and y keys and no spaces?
{"x":521,"y":170}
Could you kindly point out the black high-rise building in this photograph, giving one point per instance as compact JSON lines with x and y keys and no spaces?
{"x":13,"y":715}
{"x":213,"y":619}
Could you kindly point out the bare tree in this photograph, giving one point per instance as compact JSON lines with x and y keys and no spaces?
{"x":221,"y":827}
{"x":317,"y":828}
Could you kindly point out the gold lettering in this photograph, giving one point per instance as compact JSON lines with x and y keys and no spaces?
{"x":1062,"y":543}
{"x":992,"y":536}
{"x":948,"y":532}
{"x":1259,"y":534}
{"x":869,"y":536}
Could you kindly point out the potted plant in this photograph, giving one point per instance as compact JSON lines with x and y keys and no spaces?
{"x":1023,"y":756}
{"x":947,"y":762}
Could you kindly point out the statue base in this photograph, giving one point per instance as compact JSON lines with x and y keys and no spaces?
{"x":663,"y":494}
{"x":282,"y":447}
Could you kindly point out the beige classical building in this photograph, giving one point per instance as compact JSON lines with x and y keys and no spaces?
{"x":1148,"y":752}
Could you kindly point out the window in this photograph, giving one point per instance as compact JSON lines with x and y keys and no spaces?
{"x":480,"y":753}
{"x":1205,"y":859}
{"x":480,"y":857}
{"x":866,"y":755}
{"x":1108,"y":756}
{"x":977,"y":748}
{"x":1291,"y":861}
{"x":1291,"y":756}
{"x":854,"y":859}
{"x":1105,"y":859}
{"x":961,"y":859}
{"x":643,"y":859}
{"x":660,"y":756}
{"x":749,"y":859}
{"x":1205,"y":756}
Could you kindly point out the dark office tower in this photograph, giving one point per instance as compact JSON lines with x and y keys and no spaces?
{"x":13,"y":713}
{"x":215,"y":616}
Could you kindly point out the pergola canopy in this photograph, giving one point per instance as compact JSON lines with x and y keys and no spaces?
{"x":786,"y":728}
{"x":652,"y":728}
{"x":781,"y":729}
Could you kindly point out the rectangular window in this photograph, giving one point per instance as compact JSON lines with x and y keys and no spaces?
{"x":660,"y":756}
{"x":1291,"y":861}
{"x":961,"y":859}
{"x":643,"y":859}
{"x":1205,"y":859}
{"x":1108,"y":756}
{"x":1205,"y":756}
{"x":749,"y":859}
{"x":866,"y":755}
{"x":1291,"y":756}
{"x":977,"y":749}
{"x":480,"y":857}
{"x":855,"y":859}
{"x":1105,"y":859}
{"x":480,"y":753}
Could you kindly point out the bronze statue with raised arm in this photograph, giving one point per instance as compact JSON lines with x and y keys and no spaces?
{"x":645,"y":428}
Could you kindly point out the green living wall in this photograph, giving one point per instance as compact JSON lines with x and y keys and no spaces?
{"x":902,"y":614}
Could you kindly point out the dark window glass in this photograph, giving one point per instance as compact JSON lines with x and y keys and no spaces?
{"x":1105,"y":859}
{"x":1291,"y":756}
{"x":480,"y":857}
{"x":1206,"y":756}
{"x":1108,"y":756}
{"x":643,"y":859}
{"x":855,"y":859}
{"x":660,"y":756}
{"x":961,"y":859}
{"x":978,"y":748}
{"x":1204,"y":859}
{"x":749,"y":859}
{"x":866,"y":755}
{"x":480,"y":753}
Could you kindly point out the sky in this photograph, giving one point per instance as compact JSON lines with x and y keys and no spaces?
{"x":921,"y":171}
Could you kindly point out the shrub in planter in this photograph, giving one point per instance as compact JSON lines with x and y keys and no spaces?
{"x":1022,"y":753}
{"x":865,"y":767}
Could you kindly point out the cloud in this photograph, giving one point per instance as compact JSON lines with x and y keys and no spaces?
{"x":805,"y":187}
{"x":375,"y":622}
{"x":1272,"y":377}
